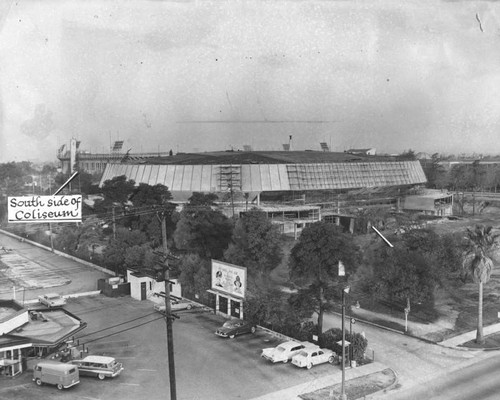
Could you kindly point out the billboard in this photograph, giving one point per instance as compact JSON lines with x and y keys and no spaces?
{"x":229,"y":278}
{"x":45,"y":209}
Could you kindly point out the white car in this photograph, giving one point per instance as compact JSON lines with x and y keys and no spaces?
{"x":313,"y":356}
{"x":175,"y":305}
{"x":284,"y":352}
{"x":52,"y":300}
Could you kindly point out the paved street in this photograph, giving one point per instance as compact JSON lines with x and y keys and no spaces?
{"x":32,"y":271}
{"x":477,"y":381}
{"x":415,"y":361}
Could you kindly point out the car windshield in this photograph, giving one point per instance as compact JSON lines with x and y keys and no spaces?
{"x":228,"y":324}
{"x":303,"y":353}
{"x":280,"y":349}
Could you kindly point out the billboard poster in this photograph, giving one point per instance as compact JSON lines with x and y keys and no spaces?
{"x":44,"y":209}
{"x":229,"y":278}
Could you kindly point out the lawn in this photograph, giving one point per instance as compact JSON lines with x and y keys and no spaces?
{"x":356,"y":388}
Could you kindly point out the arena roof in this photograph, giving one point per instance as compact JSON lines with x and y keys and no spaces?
{"x":263,"y":157}
{"x":269,"y":171}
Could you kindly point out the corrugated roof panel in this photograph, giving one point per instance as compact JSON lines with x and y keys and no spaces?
{"x":255,"y":184}
{"x":246,"y":178}
{"x":208,"y":180}
{"x":284,"y":182}
{"x":187,"y":178}
{"x":153,"y":176}
{"x":132,"y":172}
{"x":142,"y":174}
{"x":275,"y":177}
{"x":178,"y":175}
{"x":265,"y":178}
{"x":195,"y":185}
{"x":166,"y":175}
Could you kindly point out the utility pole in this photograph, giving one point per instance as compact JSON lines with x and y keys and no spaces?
{"x":168,"y":311}
{"x":114,"y":224}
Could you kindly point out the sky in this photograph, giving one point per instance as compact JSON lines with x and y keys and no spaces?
{"x":217,"y":75}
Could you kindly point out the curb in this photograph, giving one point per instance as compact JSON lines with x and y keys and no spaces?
{"x":69,"y":296}
{"x":386,"y":389}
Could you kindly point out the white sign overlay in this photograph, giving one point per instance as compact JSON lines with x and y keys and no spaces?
{"x":45,"y":209}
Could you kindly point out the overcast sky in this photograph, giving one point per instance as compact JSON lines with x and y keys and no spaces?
{"x":216,"y":75}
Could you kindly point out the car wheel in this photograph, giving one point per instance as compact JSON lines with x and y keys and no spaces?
{"x":232,"y":336}
{"x":189,"y":306}
{"x":309,"y":366}
{"x":331,"y":360}
{"x":38,"y":381}
{"x":60,"y":386}
{"x":252,"y":329}
{"x":285,"y":360}
{"x":101,"y":376}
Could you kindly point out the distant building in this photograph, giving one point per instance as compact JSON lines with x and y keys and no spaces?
{"x":364,"y":152}
{"x":430,"y":202}
{"x":72,"y":157}
{"x":277,"y":182}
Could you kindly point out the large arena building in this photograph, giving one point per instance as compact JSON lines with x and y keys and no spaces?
{"x":294,"y":187}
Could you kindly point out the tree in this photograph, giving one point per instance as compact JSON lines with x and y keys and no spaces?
{"x":202,"y":199}
{"x":255,"y":243}
{"x":114,"y":254}
{"x":203,"y":231}
{"x":414,"y":268}
{"x":117,"y":190}
{"x":147,"y":202}
{"x":478,"y":264}
{"x":194,"y":276}
{"x":407,"y":155}
{"x":435,"y":172}
{"x":315,"y":265}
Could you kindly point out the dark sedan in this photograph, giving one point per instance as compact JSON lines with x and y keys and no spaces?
{"x":235,"y":327}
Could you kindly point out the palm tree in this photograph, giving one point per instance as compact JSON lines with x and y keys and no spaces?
{"x":478,"y":264}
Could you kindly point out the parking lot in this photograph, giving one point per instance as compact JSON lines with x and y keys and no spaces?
{"x":206,"y":366}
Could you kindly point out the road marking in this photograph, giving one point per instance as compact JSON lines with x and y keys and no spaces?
{"x":130,"y":384}
{"x":149,"y":370}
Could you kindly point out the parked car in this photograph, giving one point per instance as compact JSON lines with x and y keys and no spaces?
{"x":234,"y":327}
{"x":313,"y":356}
{"x":52,"y":300}
{"x":99,"y":366}
{"x":175,"y":305}
{"x":284,"y":351}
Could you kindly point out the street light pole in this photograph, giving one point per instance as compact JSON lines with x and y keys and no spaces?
{"x":350,"y":340}
{"x":343,"y":395}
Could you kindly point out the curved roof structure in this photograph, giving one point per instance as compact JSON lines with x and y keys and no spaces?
{"x":269,"y":171}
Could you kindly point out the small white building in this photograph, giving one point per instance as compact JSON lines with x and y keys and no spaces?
{"x":144,"y":287}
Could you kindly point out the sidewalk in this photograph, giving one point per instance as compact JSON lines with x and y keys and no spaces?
{"x":292,"y":393}
{"x":468,"y":336}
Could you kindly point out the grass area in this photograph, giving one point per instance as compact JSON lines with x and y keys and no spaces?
{"x":356,"y":388}
{"x":491,"y":342}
